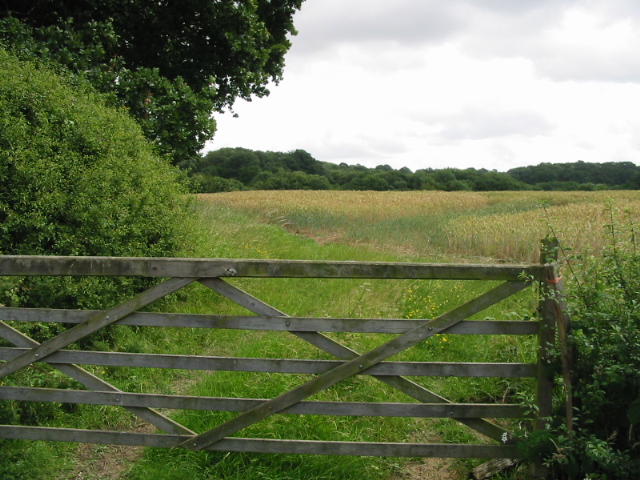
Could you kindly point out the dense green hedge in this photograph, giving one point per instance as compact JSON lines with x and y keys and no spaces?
{"x":78,"y":178}
{"x":604,"y":300}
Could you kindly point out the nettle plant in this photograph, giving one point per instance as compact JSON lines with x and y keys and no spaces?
{"x":603,"y":295}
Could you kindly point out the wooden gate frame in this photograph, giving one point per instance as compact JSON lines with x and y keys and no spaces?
{"x":211,"y":273}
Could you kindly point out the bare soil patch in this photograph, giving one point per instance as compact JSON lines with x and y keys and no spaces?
{"x":433,"y":469}
{"x":106,"y":462}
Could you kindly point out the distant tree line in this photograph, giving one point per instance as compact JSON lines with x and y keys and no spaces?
{"x":230,"y":169}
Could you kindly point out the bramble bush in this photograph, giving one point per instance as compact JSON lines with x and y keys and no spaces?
{"x":604,"y":304}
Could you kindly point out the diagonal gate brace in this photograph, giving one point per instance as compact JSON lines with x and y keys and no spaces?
{"x":96,"y":322}
{"x":95,"y":383}
{"x":338,"y":350}
{"x":354,"y":366}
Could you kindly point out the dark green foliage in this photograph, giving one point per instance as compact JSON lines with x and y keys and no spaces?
{"x":230,"y":169}
{"x":201,"y":183}
{"x":170,"y":63}
{"x":579,"y":175}
{"x":284,"y":180}
{"x":78,"y":178}
{"x":18,"y":461}
{"x":298,"y":170}
{"x":172,"y":114}
{"x":605,"y":310}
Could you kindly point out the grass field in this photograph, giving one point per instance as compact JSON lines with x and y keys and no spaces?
{"x":472,"y":226}
{"x":384,"y":226}
{"x":416,"y":226}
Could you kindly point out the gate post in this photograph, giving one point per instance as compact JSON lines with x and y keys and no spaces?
{"x":546,"y":342}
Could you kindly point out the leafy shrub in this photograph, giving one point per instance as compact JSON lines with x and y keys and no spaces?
{"x":78,"y":178}
{"x":201,"y":183}
{"x":284,"y":180}
{"x":605,"y":333}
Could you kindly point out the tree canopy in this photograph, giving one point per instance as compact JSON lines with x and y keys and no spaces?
{"x":230,"y":169}
{"x":579,"y":173}
{"x":171,"y":63}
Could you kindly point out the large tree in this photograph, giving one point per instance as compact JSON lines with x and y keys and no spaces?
{"x":171,"y":62}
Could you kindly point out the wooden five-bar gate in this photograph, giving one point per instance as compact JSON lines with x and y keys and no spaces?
{"x":174,"y":274}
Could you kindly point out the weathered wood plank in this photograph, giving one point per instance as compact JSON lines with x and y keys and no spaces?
{"x":275,"y":323}
{"x":491,"y":468}
{"x":351,"y":367}
{"x":203,"y":268}
{"x":277,"y":365}
{"x":307,"y":329}
{"x":338,"y":350}
{"x":91,"y":381}
{"x":562,"y":327}
{"x":269,"y":365}
{"x":183,"y":402}
{"x":93,"y":324}
{"x":547,"y":342}
{"x":263,"y":445}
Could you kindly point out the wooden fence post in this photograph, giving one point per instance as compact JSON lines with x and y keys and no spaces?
{"x":546,"y":340}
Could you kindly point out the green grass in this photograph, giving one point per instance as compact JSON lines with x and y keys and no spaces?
{"x":243,"y":237}
{"x":220,"y":232}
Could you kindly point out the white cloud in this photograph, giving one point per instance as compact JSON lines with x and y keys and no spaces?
{"x":336,"y":22}
{"x":435,"y":83}
{"x":475,"y":123}
{"x":589,"y":48}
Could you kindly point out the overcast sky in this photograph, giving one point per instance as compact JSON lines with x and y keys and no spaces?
{"x":490,"y":84}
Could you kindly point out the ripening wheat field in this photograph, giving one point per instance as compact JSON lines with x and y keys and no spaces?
{"x":471,"y":226}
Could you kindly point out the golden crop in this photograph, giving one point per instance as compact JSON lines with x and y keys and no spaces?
{"x":503,"y":226}
{"x":373,"y":206}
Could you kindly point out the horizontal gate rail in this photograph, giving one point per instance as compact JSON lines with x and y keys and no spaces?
{"x":266,"y":446}
{"x":361,"y":409}
{"x":178,"y":273}
{"x":216,"y":268}
{"x":338,"y":350}
{"x":272,"y":365}
{"x":274,"y":323}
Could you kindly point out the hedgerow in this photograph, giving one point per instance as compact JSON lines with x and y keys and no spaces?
{"x":604,"y":301}
{"x":78,"y":178}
